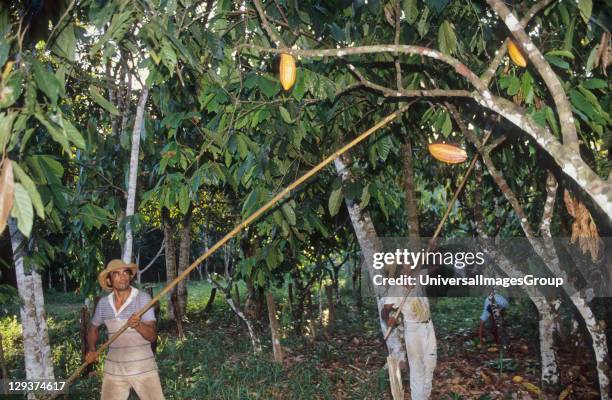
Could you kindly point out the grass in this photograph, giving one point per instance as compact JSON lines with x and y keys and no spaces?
{"x":215,"y":360}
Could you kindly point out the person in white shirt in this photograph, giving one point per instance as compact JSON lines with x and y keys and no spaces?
{"x":420,"y":337}
{"x":130,"y":362}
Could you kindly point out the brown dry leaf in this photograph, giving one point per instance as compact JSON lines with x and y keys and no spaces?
{"x":390,"y":14}
{"x":7,"y":190}
{"x":584,"y":229}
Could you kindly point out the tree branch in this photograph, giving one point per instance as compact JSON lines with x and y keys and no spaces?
{"x":266,"y":25}
{"x":568,"y":129}
{"x":501,"y":52}
{"x":549,"y":205}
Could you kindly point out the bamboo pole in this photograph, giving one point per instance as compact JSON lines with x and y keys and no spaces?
{"x":441,"y":223}
{"x":383,"y":122}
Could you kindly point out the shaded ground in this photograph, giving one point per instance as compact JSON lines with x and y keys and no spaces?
{"x":216,"y":362}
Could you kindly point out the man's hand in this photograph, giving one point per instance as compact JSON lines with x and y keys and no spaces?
{"x":391,"y":321}
{"x":134,"y":321}
{"x":91,"y":357}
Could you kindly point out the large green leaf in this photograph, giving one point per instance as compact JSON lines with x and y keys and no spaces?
{"x":102,"y":102}
{"x":586,"y":8}
{"x":46,"y":81}
{"x":65,"y":43}
{"x":22,"y":210}
{"x":72,"y":133}
{"x":447,"y":40}
{"x":411,"y":10}
{"x":57,"y":134}
{"x":6,"y":126}
{"x":30,"y":187}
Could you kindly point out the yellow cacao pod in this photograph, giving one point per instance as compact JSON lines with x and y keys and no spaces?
{"x":448,"y":153}
{"x":287,"y":71}
{"x":516,"y":54}
{"x":517,"y":379}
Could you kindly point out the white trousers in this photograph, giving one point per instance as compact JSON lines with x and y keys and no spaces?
{"x":421,"y":349}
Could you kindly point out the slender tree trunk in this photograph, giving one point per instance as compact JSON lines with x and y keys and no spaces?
{"x":133,"y":174}
{"x":412,"y":210}
{"x":370,"y":244}
{"x":183,"y":263}
{"x":329,"y":291}
{"x":36,"y":348}
{"x":211,"y":301}
{"x":274,"y":329}
{"x":170,"y":254}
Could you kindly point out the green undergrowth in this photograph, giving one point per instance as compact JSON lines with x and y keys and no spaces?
{"x":215,"y":360}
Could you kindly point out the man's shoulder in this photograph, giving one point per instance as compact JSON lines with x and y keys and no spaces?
{"x":143,"y":296}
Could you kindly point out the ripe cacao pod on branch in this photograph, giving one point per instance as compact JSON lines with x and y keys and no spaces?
{"x":448,"y":153}
{"x":287,"y":71}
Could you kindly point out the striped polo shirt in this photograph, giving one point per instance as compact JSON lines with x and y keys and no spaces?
{"x":130,"y":354}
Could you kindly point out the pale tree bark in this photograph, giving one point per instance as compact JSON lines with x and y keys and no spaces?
{"x":370,"y":243}
{"x":547,"y":314}
{"x":133,"y":174}
{"x":36,"y":348}
{"x":544,"y":248}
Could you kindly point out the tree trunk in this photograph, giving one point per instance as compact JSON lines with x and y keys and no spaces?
{"x":274,"y":329}
{"x":183,"y":263}
{"x":370,"y":244}
{"x":133,"y":174}
{"x":211,"y":301}
{"x":329,"y":291}
{"x":412,"y":211}
{"x":36,"y":348}
{"x":3,"y":366}
{"x":170,"y":254}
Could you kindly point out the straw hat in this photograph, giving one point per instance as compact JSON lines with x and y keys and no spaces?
{"x":113,"y":265}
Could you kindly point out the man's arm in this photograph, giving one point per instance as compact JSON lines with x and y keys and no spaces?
{"x":93,"y":332}
{"x":146,"y":328}
{"x":385,"y":315}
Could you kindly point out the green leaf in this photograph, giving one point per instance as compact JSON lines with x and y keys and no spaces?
{"x":586,"y":8}
{"x":423,"y":25}
{"x":22,"y":210}
{"x":447,"y":126}
{"x":241,"y":144}
{"x":289,"y":213}
{"x":11,"y":89}
{"x":73,"y":133}
{"x":365,"y":196}
{"x":447,"y":40}
{"x":285,"y":115}
{"x":65,"y":43}
{"x":595,"y":84}
{"x":6,"y":126}
{"x":58,"y":135}
{"x":552,"y":120}
{"x":269,"y":87}
{"x":581,"y":103}
{"x":30,"y":187}
{"x":46,"y":81}
{"x":102,"y":102}
{"x":514,"y":86}
{"x":556,"y":61}
{"x":184,"y":200}
{"x":561,"y":53}
{"x":335,"y":201}
{"x":4,"y":52}
{"x":411,"y":10}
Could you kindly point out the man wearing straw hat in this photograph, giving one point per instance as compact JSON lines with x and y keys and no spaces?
{"x":130,"y":362}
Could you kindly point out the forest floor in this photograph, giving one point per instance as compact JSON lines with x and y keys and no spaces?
{"x":215,"y":360}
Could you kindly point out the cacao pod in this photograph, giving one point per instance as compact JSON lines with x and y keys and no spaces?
{"x":516,"y":54}
{"x":287,"y":71}
{"x":448,"y":153}
{"x":517,"y":379}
